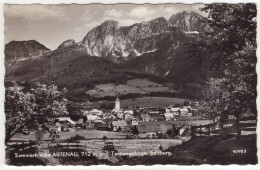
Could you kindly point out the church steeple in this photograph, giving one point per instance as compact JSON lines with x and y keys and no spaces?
{"x":117,"y":103}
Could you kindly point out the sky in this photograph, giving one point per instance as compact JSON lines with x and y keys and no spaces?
{"x":50,"y":25}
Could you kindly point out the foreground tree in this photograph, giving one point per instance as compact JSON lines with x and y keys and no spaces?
{"x":27,"y":109}
{"x":19,"y":110}
{"x":231,"y":60}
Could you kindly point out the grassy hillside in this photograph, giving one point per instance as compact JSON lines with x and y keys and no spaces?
{"x":204,"y":150}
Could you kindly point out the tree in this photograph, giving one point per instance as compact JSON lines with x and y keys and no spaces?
{"x":104,"y":138}
{"x":231,"y":59}
{"x":19,"y":110}
{"x":26,"y":109}
{"x":51,"y":102}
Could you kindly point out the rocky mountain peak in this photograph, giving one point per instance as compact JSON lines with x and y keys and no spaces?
{"x":188,"y":21}
{"x":22,"y":50}
{"x":67,"y":43}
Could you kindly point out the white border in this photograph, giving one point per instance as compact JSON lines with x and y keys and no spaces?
{"x":104,"y":167}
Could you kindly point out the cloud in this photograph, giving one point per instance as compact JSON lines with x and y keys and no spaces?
{"x":142,"y":12}
{"x":112,"y":13}
{"x":35,"y":12}
{"x":135,"y":15}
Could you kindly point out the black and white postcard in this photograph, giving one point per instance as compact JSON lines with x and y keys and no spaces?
{"x":130,"y":84}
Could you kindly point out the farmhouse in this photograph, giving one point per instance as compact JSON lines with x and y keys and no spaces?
{"x":128,"y":116}
{"x":168,"y":116}
{"x":67,"y":120}
{"x":130,"y":112}
{"x":184,"y":112}
{"x":151,"y":129}
{"x":63,"y":126}
{"x":145,"y":117}
{"x":134,"y":122}
{"x":154,"y":117}
{"x":119,"y":125}
{"x":176,"y":110}
{"x":101,"y":126}
{"x":96,"y":112}
{"x":145,"y":130}
{"x":92,"y":117}
{"x":152,"y":110}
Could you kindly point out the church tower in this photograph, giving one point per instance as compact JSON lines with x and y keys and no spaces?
{"x":117,"y":103}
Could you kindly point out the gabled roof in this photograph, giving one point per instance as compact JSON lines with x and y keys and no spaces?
{"x":119,"y":123}
{"x":143,"y":128}
{"x":157,"y":117}
{"x":99,"y":124}
{"x":153,"y":127}
{"x":63,"y":119}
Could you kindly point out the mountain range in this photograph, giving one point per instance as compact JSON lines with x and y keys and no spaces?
{"x":109,"y":53}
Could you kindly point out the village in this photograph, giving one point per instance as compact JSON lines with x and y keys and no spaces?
{"x":140,"y":122}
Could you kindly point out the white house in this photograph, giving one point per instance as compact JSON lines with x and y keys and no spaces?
{"x":168,"y":116}
{"x":96,"y":112}
{"x":92,"y":117}
{"x":184,"y":110}
{"x":66,"y":119}
{"x":168,"y":110}
{"x":131,"y":112}
{"x":128,"y":116}
{"x":134,"y":122}
{"x":175,"y":110}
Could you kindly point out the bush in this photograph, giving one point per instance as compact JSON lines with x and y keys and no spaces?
{"x":75,"y":138}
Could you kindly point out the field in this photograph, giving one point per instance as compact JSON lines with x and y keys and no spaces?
{"x":88,"y":134}
{"x":134,"y":86}
{"x":152,"y":102}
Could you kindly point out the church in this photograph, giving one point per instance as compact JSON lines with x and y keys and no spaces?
{"x":117,"y":110}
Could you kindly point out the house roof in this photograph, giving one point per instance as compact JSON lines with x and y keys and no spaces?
{"x":175,"y":109}
{"x":153,"y":127}
{"x":80,"y":120}
{"x":63,"y":119}
{"x":157,"y":117}
{"x":99,"y":124}
{"x":142,"y":128}
{"x":119,"y":123}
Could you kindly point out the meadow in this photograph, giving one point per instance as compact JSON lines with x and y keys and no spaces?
{"x":134,"y":86}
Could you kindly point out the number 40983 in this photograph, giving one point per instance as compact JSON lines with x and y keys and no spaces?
{"x":239,"y":151}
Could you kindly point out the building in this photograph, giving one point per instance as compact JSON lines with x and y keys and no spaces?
{"x":66,"y":119}
{"x":130,"y":112}
{"x":155,"y":117}
{"x":185,"y":112}
{"x":145,"y":117}
{"x":101,"y":126}
{"x":145,"y":130}
{"x":96,"y":112}
{"x":58,"y":126}
{"x":168,"y":116}
{"x":152,"y":110}
{"x":134,"y":122}
{"x":128,"y":116}
{"x":119,"y":125}
{"x":92,"y":117}
{"x":151,"y":129}
{"x":117,"y":103}
{"x":175,"y":110}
